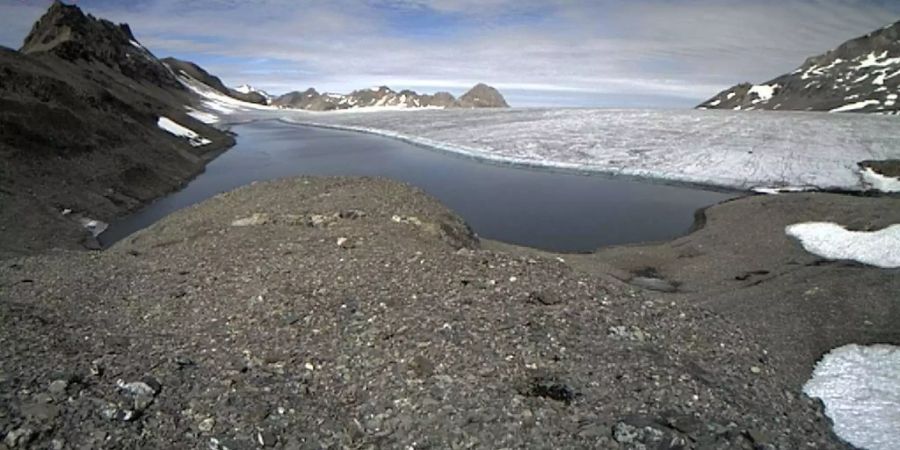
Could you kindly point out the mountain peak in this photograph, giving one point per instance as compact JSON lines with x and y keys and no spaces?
{"x":482,"y":96}
{"x":860,"y":75}
{"x":66,"y":32}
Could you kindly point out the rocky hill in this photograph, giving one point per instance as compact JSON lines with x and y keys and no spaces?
{"x":189,"y":69}
{"x":480,"y":96}
{"x":86,"y":132}
{"x":861,"y":75}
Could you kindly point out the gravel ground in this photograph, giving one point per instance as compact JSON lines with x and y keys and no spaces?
{"x":360,"y":313}
{"x":742,"y":265}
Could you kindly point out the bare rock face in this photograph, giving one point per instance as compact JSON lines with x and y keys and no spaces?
{"x":482,"y":96}
{"x":187,"y":68}
{"x":861,"y":75}
{"x":67,"y":33}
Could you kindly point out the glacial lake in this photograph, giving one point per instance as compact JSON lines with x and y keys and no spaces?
{"x":550,"y":210}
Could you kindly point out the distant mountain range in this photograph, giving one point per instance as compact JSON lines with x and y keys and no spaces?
{"x":861,"y":75}
{"x":480,"y":96}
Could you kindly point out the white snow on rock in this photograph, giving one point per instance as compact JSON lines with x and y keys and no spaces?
{"x":855,"y":106}
{"x":860,"y":387}
{"x":831,"y":241}
{"x":214,"y":100}
{"x":172,"y":127}
{"x":775,"y":190}
{"x":764,"y":92}
{"x":245,"y":89}
{"x":203,"y":116}
{"x":877,"y":181}
{"x":871,"y":60}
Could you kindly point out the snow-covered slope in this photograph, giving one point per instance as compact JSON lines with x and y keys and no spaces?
{"x":718,"y":148}
{"x":246,"y":89}
{"x":861,"y":75}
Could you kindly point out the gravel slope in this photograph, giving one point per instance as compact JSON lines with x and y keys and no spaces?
{"x":742,"y":264}
{"x":360,"y":313}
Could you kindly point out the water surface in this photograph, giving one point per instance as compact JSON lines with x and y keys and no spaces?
{"x":543,"y":209}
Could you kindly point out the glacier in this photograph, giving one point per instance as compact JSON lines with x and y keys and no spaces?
{"x":735,"y":150}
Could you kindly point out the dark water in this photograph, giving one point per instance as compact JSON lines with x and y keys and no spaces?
{"x":548,"y":210}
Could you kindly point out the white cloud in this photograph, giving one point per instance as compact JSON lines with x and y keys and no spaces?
{"x":688,"y":49}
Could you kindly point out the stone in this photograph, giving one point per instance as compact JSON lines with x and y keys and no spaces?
{"x":545,"y":297}
{"x":254,"y":220}
{"x":58,"y":387}
{"x":266,"y":438}
{"x":206,"y":425}
{"x":19,"y":437}
{"x":352,"y":214}
{"x":142,"y":402}
{"x":146,"y":387}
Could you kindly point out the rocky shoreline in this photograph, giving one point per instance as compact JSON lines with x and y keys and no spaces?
{"x":341,"y":312}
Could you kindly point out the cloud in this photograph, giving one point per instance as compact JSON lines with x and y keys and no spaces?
{"x":685,"y":50}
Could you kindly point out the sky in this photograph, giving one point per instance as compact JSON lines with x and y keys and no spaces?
{"x":604,"y":53}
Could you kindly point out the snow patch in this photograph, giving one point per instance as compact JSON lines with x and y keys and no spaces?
{"x":775,"y":190}
{"x":877,"y":61}
{"x":730,"y":96}
{"x":764,"y":92}
{"x":172,"y":127}
{"x":860,"y":388}
{"x":137,"y":44}
{"x":205,"y":117}
{"x":831,"y":241}
{"x":95,"y":227}
{"x":877,"y":181}
{"x":855,"y":106}
{"x":715,"y":102}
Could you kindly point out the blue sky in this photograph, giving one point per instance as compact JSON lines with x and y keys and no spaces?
{"x":635,"y":53}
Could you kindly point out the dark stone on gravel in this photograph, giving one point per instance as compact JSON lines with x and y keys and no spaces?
{"x":545,"y":297}
{"x":654,"y":284}
{"x":549,"y":387}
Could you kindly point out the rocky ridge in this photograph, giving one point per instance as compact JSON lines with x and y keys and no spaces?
{"x":480,"y":96}
{"x":861,"y":75}
{"x":189,"y":69}
{"x":81,"y":142}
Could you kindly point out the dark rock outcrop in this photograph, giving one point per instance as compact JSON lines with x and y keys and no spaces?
{"x":187,"y":68}
{"x":861,"y":75}
{"x":480,"y":96}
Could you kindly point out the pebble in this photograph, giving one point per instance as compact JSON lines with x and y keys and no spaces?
{"x":58,"y":387}
{"x":266,"y":438}
{"x":18,"y":437}
{"x":206,"y":425}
